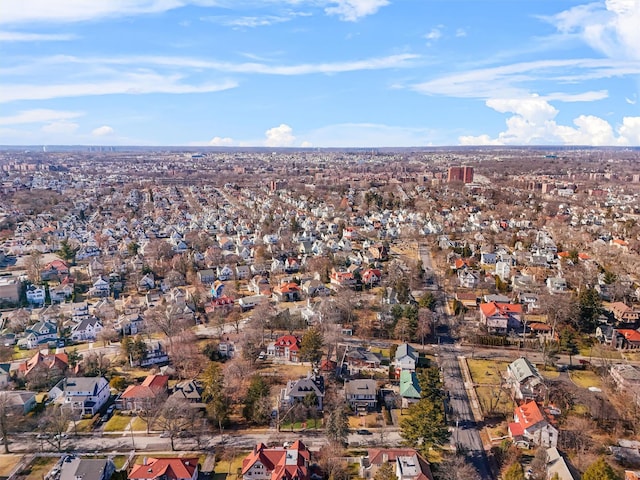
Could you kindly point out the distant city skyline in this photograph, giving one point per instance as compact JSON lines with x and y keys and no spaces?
{"x":320,"y":73}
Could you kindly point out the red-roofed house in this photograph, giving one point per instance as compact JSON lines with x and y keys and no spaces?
{"x":287,"y":292}
{"x":287,"y":347}
{"x":139,"y":397}
{"x":166,"y":469}
{"x":55,"y":268}
{"x":58,"y":362}
{"x":344,"y":279}
{"x":531,"y":424}
{"x":625,"y":339}
{"x":408,"y":464}
{"x":500,"y":317}
{"x":277,"y":463}
{"x":371,"y":276}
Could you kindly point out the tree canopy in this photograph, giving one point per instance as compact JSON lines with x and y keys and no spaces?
{"x":311,"y":346}
{"x":600,"y":470}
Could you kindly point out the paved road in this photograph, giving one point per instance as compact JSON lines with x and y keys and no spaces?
{"x":465,"y":436}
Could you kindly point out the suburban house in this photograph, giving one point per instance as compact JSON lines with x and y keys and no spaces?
{"x":468,"y":278}
{"x":342,"y":278}
{"x":297,"y":390}
{"x":18,"y":402}
{"x":35,"y":294}
{"x":531,"y":425}
{"x":371,"y":276}
{"x":624,"y":313}
{"x":626,"y":378}
{"x":206,"y":276}
{"x":155,"y":355}
{"x":287,"y":292}
{"x":525,"y":381}
{"x":189,"y":390}
{"x":140,"y":397}
{"x":406,"y":358}
{"x":287,"y":348}
{"x":277,"y":463}
{"x":87,"y":329}
{"x":86,"y":468}
{"x":558,"y":465}
{"x":360,"y":358}
{"x":361,"y":394}
{"x":625,"y":339}
{"x":556,"y":285}
{"x":407,"y":462}
{"x":40,"y":333}
{"x":183,"y":468}
{"x":85,"y":395}
{"x":409,"y":388}
{"x":501,"y":317}
{"x":56,"y":268}
{"x":55,"y":364}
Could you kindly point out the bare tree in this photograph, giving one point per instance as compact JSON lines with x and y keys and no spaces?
{"x":456,"y":467}
{"x":166,"y":318}
{"x":175,"y":418}
{"x":55,"y":423}
{"x":33,"y":265}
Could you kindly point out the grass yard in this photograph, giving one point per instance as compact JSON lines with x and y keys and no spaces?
{"x":600,"y":351}
{"x":119,"y":461}
{"x":291,"y":371}
{"x":8,"y":463}
{"x":580,"y":409}
{"x":369,"y":420}
{"x":309,"y":425}
{"x":492,"y":398}
{"x":139,"y":424}
{"x":84,"y":425}
{"x":486,"y":372}
{"x":117,"y":423}
{"x":585,"y":378}
{"x":227,"y":470}
{"x":550,"y":374}
{"x":384,"y":352}
{"x":40,"y":467}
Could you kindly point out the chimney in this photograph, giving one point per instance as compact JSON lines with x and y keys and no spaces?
{"x":144,"y":460}
{"x":385,"y":458}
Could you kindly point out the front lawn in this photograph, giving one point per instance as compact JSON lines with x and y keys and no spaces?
{"x":585,"y":378}
{"x":310,"y":424}
{"x":228,"y":470}
{"x":40,"y":467}
{"x":117,"y":423}
{"x":486,"y":372}
{"x":8,"y":463}
{"x":494,"y":401}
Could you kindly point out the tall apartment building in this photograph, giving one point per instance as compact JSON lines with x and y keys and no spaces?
{"x":460,"y":174}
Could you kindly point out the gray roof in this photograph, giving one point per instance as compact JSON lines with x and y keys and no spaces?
{"x":86,"y":468}
{"x":82,"y":384}
{"x":406,"y":349}
{"x":360,"y":387}
{"x":521,"y":369}
{"x":557,"y":464}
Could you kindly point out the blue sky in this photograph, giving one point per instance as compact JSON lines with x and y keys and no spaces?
{"x":319,"y":73}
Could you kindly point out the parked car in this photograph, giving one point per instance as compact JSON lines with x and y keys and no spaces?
{"x":363,"y":431}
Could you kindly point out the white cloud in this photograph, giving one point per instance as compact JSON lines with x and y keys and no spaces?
{"x":221,"y":142}
{"x":62,"y":127}
{"x":435,"y":33}
{"x":632,"y":100}
{"x":306,"y":144}
{"x":461,"y":32}
{"x":41,"y":115}
{"x":610,"y":27}
{"x":280,"y":136}
{"x":102,"y":131}
{"x":29,"y":11}
{"x":354,"y":10}
{"x":533,"y":123}
{"x":131,"y":84}
{"x":35,"y":37}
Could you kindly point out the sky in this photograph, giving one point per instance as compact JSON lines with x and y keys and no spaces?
{"x":320,"y":73}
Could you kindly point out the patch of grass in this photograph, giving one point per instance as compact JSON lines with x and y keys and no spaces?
{"x":384,"y":352}
{"x":8,"y":463}
{"x":119,"y":461}
{"x":139,"y":424}
{"x":309,"y":425}
{"x":84,"y":425}
{"x":364,"y":421}
{"x":585,"y":378}
{"x":40,"y":467}
{"x":486,"y":372}
{"x":227,"y":470}
{"x":580,"y":409}
{"x":291,"y":371}
{"x":117,"y":423}
{"x":549,"y":373}
{"x":488,"y":397}
{"x":600,"y":351}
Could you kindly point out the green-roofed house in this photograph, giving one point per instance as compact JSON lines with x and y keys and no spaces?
{"x":409,"y":388}
{"x":406,"y":358}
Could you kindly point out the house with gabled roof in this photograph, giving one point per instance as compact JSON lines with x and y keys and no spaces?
{"x":531,"y":424}
{"x":525,"y":381}
{"x":407,"y":462}
{"x":287,"y":348}
{"x":409,"y":388}
{"x":625,"y":339}
{"x":168,"y":468}
{"x":139,"y":397}
{"x":87,"y":329}
{"x":406,"y":358}
{"x":297,"y":390}
{"x":278,"y":463}
{"x":86,"y":395}
{"x":40,"y":333}
{"x":499,"y":318}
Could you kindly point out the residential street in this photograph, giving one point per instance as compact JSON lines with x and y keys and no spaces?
{"x":465,"y":435}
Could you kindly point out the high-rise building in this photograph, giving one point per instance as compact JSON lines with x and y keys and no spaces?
{"x":460,"y":174}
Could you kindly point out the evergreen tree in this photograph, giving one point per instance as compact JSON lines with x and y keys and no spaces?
{"x":67,"y":252}
{"x":254,"y":403}
{"x":311,"y":346}
{"x":514,"y":472}
{"x":600,"y":470}
{"x":590,"y":307}
{"x":569,"y":344}
{"x":424,"y":427}
{"x":337,"y":427}
{"x":214,"y":395}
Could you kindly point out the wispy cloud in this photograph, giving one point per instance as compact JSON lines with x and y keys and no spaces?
{"x":354,"y":10}
{"x":435,"y":33}
{"x":6,"y":36}
{"x":254,"y":21}
{"x":461,"y":32}
{"x":40,"y":115}
{"x":513,"y":80}
{"x":131,"y":84}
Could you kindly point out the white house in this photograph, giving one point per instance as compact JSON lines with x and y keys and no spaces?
{"x":87,"y":329}
{"x":406,"y":358}
{"x":36,"y":294}
{"x":86,"y":395}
